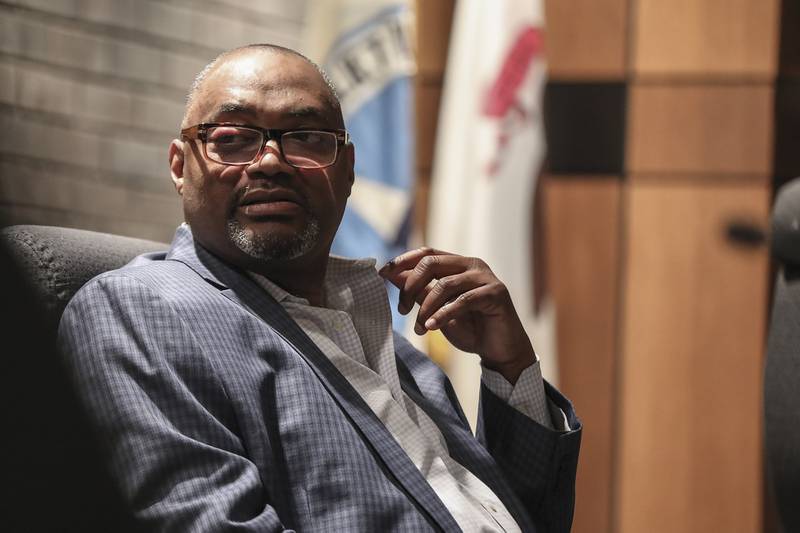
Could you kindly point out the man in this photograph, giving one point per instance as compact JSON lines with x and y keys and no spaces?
{"x":245,"y":381}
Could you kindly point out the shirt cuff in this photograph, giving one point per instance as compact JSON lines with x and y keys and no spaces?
{"x":527,"y":396}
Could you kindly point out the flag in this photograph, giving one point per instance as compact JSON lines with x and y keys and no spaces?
{"x":489,"y":149}
{"x":365,"y":47}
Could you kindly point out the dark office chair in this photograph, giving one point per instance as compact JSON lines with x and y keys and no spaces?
{"x":782,"y":373}
{"x":52,"y":466}
{"x":58,"y":261}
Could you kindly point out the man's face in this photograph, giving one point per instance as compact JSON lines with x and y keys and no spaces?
{"x":267,"y":210}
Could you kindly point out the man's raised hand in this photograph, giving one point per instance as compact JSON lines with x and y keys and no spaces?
{"x":462,"y":297}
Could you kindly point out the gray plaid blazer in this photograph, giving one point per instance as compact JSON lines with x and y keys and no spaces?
{"x":220,"y":414}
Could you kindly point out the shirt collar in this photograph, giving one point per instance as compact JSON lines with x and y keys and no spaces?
{"x":341,"y":275}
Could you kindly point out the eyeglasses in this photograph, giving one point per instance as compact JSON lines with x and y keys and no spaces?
{"x":233,"y":144}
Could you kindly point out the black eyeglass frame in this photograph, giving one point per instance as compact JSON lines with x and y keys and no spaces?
{"x":200,"y":131}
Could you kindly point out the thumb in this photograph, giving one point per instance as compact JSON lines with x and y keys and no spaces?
{"x":398,"y":279}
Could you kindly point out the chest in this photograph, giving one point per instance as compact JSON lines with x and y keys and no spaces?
{"x":307,"y":443}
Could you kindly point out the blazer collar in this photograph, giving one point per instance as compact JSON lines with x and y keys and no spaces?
{"x":185,"y":250}
{"x":241,"y":289}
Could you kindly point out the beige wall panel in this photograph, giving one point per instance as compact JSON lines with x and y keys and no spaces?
{"x":187,"y":23}
{"x":707,"y":129}
{"x":421,"y":196}
{"x":705,"y":38}
{"x":39,"y":88}
{"x":582,"y":225}
{"x":427,"y":108}
{"x":586,"y":39}
{"x":434,"y":18}
{"x":111,"y":152}
{"x":47,"y":191}
{"x":281,"y":11}
{"x":692,"y":348}
{"x":94,"y":92}
{"x":35,"y":39}
{"x":8,"y":76}
{"x":22,"y":214}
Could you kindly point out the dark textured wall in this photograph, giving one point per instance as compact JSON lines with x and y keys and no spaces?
{"x":92,"y":91}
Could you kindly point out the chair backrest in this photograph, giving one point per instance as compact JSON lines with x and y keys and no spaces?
{"x":782,"y":372}
{"x":59,"y":261}
{"x":53,"y":460}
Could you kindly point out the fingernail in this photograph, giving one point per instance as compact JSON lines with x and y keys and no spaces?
{"x":403,"y":308}
{"x":431,"y":323}
{"x":387,"y":266}
{"x":418,"y":329}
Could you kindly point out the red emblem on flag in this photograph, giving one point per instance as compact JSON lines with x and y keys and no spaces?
{"x":501,"y":101}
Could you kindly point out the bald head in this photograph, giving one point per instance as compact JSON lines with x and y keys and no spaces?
{"x":197,"y":90}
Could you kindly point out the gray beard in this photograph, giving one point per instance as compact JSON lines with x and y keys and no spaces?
{"x":270,"y":247}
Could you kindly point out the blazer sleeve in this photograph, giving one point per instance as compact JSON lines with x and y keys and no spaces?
{"x":159,"y":407}
{"x":539,"y":463}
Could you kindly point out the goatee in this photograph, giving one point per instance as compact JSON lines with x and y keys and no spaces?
{"x":272,"y":247}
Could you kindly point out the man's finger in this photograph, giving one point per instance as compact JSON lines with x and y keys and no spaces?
{"x":427,"y":270}
{"x":483,"y":299}
{"x":444,"y":291}
{"x":406,"y":302}
{"x":409,"y":259}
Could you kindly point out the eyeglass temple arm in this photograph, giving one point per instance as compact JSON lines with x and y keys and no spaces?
{"x":191,"y":133}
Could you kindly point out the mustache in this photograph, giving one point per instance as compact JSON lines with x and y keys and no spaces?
{"x":269,"y":187}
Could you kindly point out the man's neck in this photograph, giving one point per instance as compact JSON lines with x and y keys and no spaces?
{"x":307,"y":283}
{"x":302,"y":277}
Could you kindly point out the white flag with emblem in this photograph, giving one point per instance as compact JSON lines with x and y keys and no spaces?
{"x":489,"y":149}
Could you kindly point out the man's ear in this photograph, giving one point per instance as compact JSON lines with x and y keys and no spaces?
{"x":176,"y":159}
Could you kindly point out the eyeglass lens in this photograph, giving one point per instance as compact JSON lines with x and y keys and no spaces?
{"x":303,"y":149}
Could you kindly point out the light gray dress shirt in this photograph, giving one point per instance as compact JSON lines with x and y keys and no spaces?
{"x":354,"y":330}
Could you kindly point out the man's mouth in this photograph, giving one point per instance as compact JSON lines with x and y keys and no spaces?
{"x":270,"y":203}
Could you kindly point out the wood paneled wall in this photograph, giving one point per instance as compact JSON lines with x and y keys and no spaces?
{"x":704,"y":40}
{"x":583,"y":226}
{"x":689,"y":456}
{"x":699,"y":129}
{"x":587,"y":53}
{"x":587,"y":39}
{"x":699,"y":158}
{"x":672,"y":438}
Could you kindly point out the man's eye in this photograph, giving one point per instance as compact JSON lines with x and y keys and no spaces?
{"x":310,"y":137}
{"x":224,"y":138}
{"x":232,"y":138}
{"x":228,"y":139}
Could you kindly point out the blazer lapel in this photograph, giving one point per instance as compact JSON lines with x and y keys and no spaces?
{"x":240,"y":289}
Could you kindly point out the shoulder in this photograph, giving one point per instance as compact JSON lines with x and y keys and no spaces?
{"x":129,"y":316}
{"x":149,"y":272}
{"x":159,"y":278}
{"x":145,"y":296}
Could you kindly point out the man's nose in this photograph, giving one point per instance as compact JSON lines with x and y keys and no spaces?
{"x":270,"y":160}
